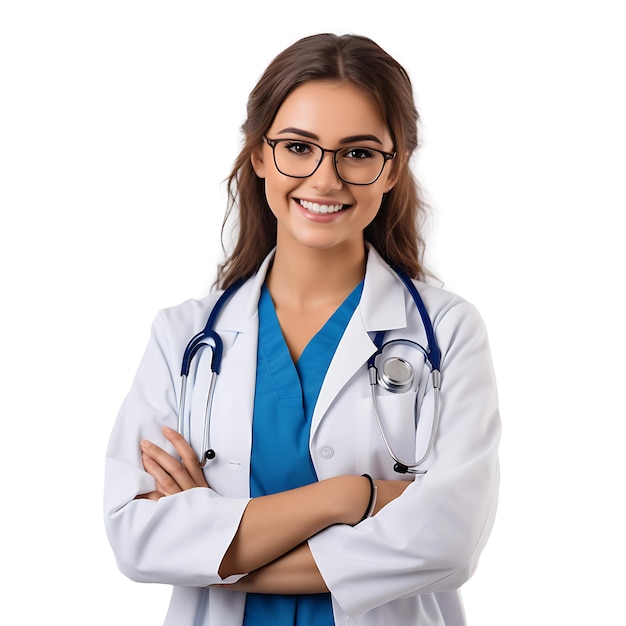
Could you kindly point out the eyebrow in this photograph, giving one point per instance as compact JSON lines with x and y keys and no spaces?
{"x":345,"y":140}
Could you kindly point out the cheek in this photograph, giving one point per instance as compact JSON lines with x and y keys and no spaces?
{"x":371,"y":202}
{"x":277,"y":190}
{"x":371,"y":207}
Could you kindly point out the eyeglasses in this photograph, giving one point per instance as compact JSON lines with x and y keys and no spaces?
{"x":354,"y":165}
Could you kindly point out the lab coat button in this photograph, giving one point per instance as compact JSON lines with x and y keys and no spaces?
{"x":326,"y":452}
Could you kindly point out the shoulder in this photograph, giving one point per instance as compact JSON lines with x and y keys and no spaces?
{"x":441,"y":302}
{"x":231,"y":310}
{"x":453,"y":321}
{"x":239,"y":304}
{"x":386,"y":291}
{"x":189,"y":311}
{"x":447,"y":307}
{"x":458,"y":326}
{"x":181,"y":322}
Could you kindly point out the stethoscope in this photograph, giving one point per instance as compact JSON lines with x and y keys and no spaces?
{"x":394,"y":374}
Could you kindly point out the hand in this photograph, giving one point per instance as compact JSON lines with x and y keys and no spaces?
{"x":171,"y":475}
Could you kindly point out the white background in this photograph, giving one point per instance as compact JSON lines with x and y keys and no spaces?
{"x":118,"y":122}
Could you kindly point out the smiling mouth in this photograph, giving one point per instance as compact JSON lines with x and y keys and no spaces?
{"x":322,"y":209}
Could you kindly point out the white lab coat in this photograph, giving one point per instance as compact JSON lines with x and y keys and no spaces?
{"x":401,"y":567}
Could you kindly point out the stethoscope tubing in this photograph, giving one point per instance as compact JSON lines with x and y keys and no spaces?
{"x":400,"y":466}
{"x":207,"y":338}
{"x":185,"y":429}
{"x":434,"y":353}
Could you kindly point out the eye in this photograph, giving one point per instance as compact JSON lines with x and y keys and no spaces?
{"x":297,"y":147}
{"x":358,"y":153}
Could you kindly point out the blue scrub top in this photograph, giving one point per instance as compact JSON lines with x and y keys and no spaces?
{"x":284,"y":400}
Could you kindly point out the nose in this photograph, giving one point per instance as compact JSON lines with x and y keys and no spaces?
{"x":325,"y":177}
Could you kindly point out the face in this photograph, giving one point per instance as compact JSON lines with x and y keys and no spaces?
{"x":322,"y":211}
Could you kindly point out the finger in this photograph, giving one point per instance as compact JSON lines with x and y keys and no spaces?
{"x":168,"y":464}
{"x":164,"y":482}
{"x":187,"y":456}
{"x":152,"y":495}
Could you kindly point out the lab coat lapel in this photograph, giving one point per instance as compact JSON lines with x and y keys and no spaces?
{"x":231,"y":429}
{"x":382,"y":307}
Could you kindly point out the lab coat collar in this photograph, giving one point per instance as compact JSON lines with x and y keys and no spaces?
{"x":244,"y":304}
{"x":382,"y":305}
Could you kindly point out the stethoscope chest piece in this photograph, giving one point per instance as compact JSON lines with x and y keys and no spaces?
{"x":395,"y":375}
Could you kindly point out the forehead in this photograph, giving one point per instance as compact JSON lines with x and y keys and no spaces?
{"x":331,"y":110}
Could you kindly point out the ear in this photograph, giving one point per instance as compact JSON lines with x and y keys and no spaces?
{"x":394,"y":174}
{"x":258,"y":162}
{"x":391,"y":181}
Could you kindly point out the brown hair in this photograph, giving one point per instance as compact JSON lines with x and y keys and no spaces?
{"x":394,"y":232}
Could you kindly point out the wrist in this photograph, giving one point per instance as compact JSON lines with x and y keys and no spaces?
{"x":371,"y":505}
{"x":348,"y":496}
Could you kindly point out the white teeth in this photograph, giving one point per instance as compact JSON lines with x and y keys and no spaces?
{"x":320,"y":208}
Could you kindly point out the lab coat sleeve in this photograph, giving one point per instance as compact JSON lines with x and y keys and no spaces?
{"x":179,"y":539}
{"x":430,"y":538}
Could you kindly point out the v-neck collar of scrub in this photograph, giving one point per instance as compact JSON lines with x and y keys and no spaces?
{"x":273,"y":348}
{"x":325,"y":335}
{"x":299,"y":384}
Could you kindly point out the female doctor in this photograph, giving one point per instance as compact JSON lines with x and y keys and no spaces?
{"x":295,"y":515}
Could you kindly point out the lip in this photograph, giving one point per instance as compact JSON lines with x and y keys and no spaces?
{"x":319,"y":216}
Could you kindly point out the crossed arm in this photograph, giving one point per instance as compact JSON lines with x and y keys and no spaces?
{"x":270,"y":542}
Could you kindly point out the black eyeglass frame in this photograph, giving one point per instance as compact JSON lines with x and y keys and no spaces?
{"x":272,"y":143}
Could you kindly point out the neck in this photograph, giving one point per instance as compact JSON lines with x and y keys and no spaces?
{"x":310,"y":278}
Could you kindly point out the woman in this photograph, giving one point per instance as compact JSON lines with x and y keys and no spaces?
{"x":300,"y":517}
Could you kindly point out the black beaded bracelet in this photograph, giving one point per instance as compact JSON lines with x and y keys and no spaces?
{"x":372,"y":501}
